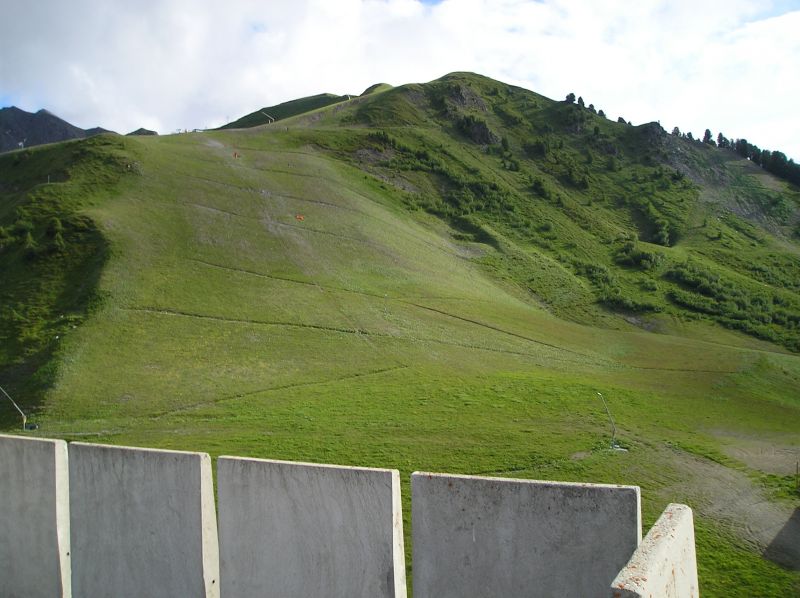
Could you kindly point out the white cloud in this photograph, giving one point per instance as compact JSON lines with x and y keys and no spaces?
{"x":728,"y":65}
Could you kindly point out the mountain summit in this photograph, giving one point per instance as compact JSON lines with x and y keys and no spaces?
{"x":19,"y":128}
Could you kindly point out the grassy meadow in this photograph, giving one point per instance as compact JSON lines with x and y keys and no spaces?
{"x":365,"y":285}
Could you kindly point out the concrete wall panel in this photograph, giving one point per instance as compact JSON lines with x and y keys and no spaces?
{"x":303,"y":530}
{"x":488,"y":537}
{"x":664,"y":565}
{"x":34,"y":518}
{"x":143,"y":523}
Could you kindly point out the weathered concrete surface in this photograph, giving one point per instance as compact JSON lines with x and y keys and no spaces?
{"x":304,"y":530}
{"x":488,"y":537}
{"x":665,"y":564}
{"x":34,"y":518}
{"x":143,"y":523}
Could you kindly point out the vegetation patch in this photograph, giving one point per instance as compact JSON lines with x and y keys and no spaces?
{"x":51,"y":251}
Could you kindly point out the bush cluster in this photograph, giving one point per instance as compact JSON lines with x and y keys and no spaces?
{"x":631,"y":254}
{"x":771,"y":317}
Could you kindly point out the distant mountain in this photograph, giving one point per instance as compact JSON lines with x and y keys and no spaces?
{"x":19,"y":128}
{"x":97,"y":131}
{"x":142,"y":131}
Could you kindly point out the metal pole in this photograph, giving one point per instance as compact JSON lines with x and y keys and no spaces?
{"x":611,"y":419}
{"x":24,"y":417}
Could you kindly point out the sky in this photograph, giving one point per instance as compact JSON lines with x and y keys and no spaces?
{"x":727,"y":65}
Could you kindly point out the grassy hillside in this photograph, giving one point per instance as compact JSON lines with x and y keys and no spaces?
{"x":431,"y":277}
{"x":284,"y":110}
{"x":51,"y":251}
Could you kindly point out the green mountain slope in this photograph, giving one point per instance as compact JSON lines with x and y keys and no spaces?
{"x":428,"y":277}
{"x":285,"y":110}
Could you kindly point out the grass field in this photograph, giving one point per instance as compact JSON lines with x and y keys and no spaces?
{"x":291,"y":303}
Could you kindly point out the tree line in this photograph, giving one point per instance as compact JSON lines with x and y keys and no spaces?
{"x":773,"y":161}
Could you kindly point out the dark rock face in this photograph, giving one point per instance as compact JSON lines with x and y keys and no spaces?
{"x":466,"y":97}
{"x":480,"y":132}
{"x":19,"y":128}
{"x":653,"y":133}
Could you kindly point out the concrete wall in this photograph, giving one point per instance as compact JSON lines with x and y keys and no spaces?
{"x":143,"y":523}
{"x":302,"y":530}
{"x":96,"y":520}
{"x":34,"y":518}
{"x":664,"y":564}
{"x":492,"y":537}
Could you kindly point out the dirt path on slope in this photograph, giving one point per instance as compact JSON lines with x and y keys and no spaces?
{"x":731,"y":496}
{"x":777,"y":455}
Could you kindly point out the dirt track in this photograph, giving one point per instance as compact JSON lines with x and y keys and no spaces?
{"x":731,"y":496}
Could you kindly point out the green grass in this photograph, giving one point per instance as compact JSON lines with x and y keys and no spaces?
{"x":730,"y":565}
{"x":373,"y":287}
{"x":270,"y":114}
{"x":51,"y":252}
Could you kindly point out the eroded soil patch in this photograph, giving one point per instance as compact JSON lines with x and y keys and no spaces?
{"x":731,"y":497}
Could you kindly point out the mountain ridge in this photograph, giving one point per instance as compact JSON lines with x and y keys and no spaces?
{"x":20,"y":129}
{"x":270,"y":114}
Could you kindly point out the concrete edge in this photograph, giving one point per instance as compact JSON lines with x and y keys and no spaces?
{"x":426,"y":474}
{"x":136,"y":448}
{"x":63,"y":515}
{"x":307,"y":464}
{"x":210,"y":539}
{"x":61,"y":484}
{"x":631,"y":581}
{"x":398,"y":545}
{"x":638,"y":516}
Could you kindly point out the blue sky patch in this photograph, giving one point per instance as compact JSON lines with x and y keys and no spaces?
{"x":258,"y":27}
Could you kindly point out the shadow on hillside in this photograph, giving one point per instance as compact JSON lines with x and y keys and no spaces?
{"x":785,"y":548}
{"x":33,"y":366}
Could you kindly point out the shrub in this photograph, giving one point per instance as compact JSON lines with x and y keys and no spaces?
{"x":616,"y":300}
{"x":536,"y":149}
{"x":597,"y":273}
{"x":6,"y":237}
{"x":648,"y":284}
{"x":540,"y":188}
{"x":632,"y":255}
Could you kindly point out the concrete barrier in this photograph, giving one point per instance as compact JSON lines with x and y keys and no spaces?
{"x":475,"y":536}
{"x":664,"y":565}
{"x":143,"y":522}
{"x":303,"y":530}
{"x":34,"y":518}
